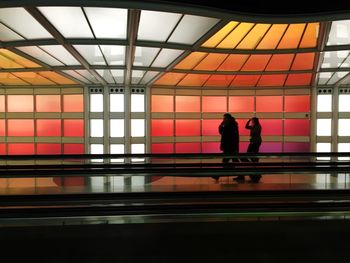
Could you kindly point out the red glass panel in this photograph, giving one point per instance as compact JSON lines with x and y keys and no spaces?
{"x":20,"y":127}
{"x":48,"y":103}
{"x":74,"y":181}
{"x":241,"y":127}
{"x":269,"y":103}
{"x":187,"y":127}
{"x":48,"y":127}
{"x":234,"y":62}
{"x":219,"y":80}
{"x":73,"y":148}
{"x":2,"y":128}
{"x":2,"y":148}
{"x":297,"y":103}
{"x":297,"y":127}
{"x":271,"y":127}
{"x":20,"y":148}
{"x":162,"y":103}
{"x":188,"y":147}
{"x":73,"y":128}
{"x":299,"y":79}
{"x":162,"y":128}
{"x":73,"y":103}
{"x":211,"y":147}
{"x":2,"y":103}
{"x":243,"y":147}
{"x":210,"y":127}
{"x":245,"y":81}
{"x":296,"y":147}
{"x":195,"y":80}
{"x":273,"y":147}
{"x":272,"y":80}
{"x":187,"y":103}
{"x":162,"y":148}
{"x":256,"y":63}
{"x":303,"y":61}
{"x":280,"y":62}
{"x":48,"y":148}
{"x":214,"y":104}
{"x":20,"y":103}
{"x":241,"y":104}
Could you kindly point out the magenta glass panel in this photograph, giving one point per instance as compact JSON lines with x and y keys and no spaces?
{"x":210,"y":127}
{"x":162,"y":148}
{"x":73,"y":148}
{"x":297,"y":127}
{"x":273,"y":147}
{"x":187,"y":127}
{"x":271,"y":127}
{"x":162,"y":128}
{"x":211,"y":147}
{"x":268,"y":103}
{"x":20,"y":127}
{"x":48,"y":148}
{"x":241,"y":127}
{"x":243,"y":147}
{"x":241,"y":104}
{"x":48,"y":103}
{"x":296,"y":147}
{"x":300,"y":103}
{"x":214,"y":104}
{"x":2,"y":128}
{"x":2,"y":148}
{"x":20,"y":148}
{"x":162,"y":103}
{"x":2,"y":103}
{"x":73,"y":128}
{"x":48,"y":127}
{"x":73,"y":103}
{"x":20,"y":103}
{"x":187,"y":104}
{"x":187,"y":147}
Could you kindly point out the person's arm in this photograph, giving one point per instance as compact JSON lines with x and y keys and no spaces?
{"x":247,"y":126}
{"x":221,"y":128}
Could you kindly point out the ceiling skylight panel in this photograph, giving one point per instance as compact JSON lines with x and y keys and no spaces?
{"x":165,"y":57}
{"x":91,"y":53}
{"x":148,"y":77}
{"x":41,"y":55}
{"x":76,"y":75}
{"x":118,"y":75}
{"x":336,"y":77}
{"x":340,"y":33}
{"x":334,"y":59}
{"x":324,"y":77}
{"x":115,"y":55}
{"x":144,"y":56}
{"x":60,"y":53}
{"x":106,"y":74}
{"x":137,"y":76}
{"x":86,"y":74}
{"x":7,"y":34}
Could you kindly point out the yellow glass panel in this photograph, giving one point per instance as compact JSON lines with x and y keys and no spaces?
{"x":19,"y":59}
{"x":211,"y":62}
{"x":9,"y":79}
{"x":272,"y":37}
{"x":236,"y":35}
{"x":254,"y":36}
{"x":191,"y":60}
{"x":194,"y":80}
{"x":8,"y":63}
{"x":55,"y":77}
{"x":33,"y":78}
{"x":310,"y":36}
{"x":170,"y":79}
{"x":292,"y":36}
{"x":220,"y":35}
{"x":233,"y":63}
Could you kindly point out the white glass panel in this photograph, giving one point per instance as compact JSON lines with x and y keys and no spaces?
{"x":20,"y":21}
{"x":137,"y":148}
{"x":337,"y":76}
{"x":324,"y":127}
{"x":323,"y":147}
{"x":117,"y":128}
{"x":116,"y":102}
{"x":108,"y":22}
{"x":106,"y":74}
{"x":118,"y":75}
{"x":344,"y":147}
{"x":117,"y":149}
{"x":69,"y":21}
{"x":137,"y":180}
{"x":344,"y":103}
{"x":91,"y":53}
{"x":7,"y":34}
{"x":115,"y":55}
{"x":324,"y":103}
{"x":97,"y":183}
{"x":96,"y":102}
{"x":324,"y":77}
{"x":96,"y":149}
{"x":40,"y":55}
{"x":137,"y":103}
{"x":149,"y":76}
{"x":138,"y":128}
{"x":96,"y":128}
{"x":346,"y":63}
{"x":165,"y":57}
{"x":86,"y":74}
{"x":191,"y":28}
{"x":61,"y":54}
{"x":344,"y":127}
{"x":144,"y":56}
{"x":76,"y":75}
{"x":334,"y":59}
{"x":156,"y":26}
{"x":136,"y":76}
{"x":340,"y":33}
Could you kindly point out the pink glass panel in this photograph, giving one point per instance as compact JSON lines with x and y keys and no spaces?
{"x":73,"y":103}
{"x":241,"y":127}
{"x":162,"y":148}
{"x":241,"y":104}
{"x":2,"y":148}
{"x":299,"y":103}
{"x":296,"y":147}
{"x":48,"y":127}
{"x":269,"y":103}
{"x":187,"y":128}
{"x":162,"y":103}
{"x":187,"y":103}
{"x":271,"y":127}
{"x":303,"y":79}
{"x":20,"y":148}
{"x":162,"y":128}
{"x":243,"y":147}
{"x":2,"y":103}
{"x":273,"y":147}
{"x":210,"y":127}
{"x":214,"y":104}
{"x":48,"y":103}
{"x":219,"y":80}
{"x":245,"y":81}
{"x":48,"y":148}
{"x":2,"y":128}
{"x":20,"y":103}
{"x":187,"y":147}
{"x":20,"y":127}
{"x":297,"y":127}
{"x":211,"y":147}
{"x":73,"y":128}
{"x":272,"y":80}
{"x":73,"y":148}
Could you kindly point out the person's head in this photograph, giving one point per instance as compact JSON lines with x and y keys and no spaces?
{"x":228,"y":117}
{"x":255,"y":121}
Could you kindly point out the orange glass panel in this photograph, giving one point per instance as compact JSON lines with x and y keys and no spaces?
{"x":280,"y":62}
{"x":214,"y":104}
{"x":162,"y":128}
{"x":241,"y":104}
{"x":73,"y":148}
{"x":219,"y":80}
{"x":210,"y":127}
{"x":211,"y":62}
{"x":296,"y":147}
{"x":48,"y":103}
{"x":292,"y":36}
{"x":20,"y":148}
{"x":195,"y":80}
{"x":254,"y":36}
{"x":9,"y":79}
{"x":271,"y":127}
{"x":310,"y":36}
{"x":299,"y":103}
{"x":162,"y":103}
{"x":187,"y":104}
{"x":2,"y":149}
{"x":73,"y":128}
{"x":188,"y":147}
{"x":2,"y":103}
{"x":245,"y":81}
{"x":303,"y":61}
{"x":211,"y":147}
{"x":170,"y":79}
{"x":57,"y":78}
{"x":273,"y":36}
{"x":236,"y":35}
{"x":73,"y":103}
{"x":48,"y":127}
{"x":2,"y":128}
{"x":20,"y":127}
{"x":272,"y":80}
{"x":191,"y":60}
{"x":241,"y":126}
{"x":256,"y":63}
{"x":162,"y":148}
{"x":233,"y":62}
{"x":297,"y":127}
{"x":220,"y":35}
{"x":19,"y":59}
{"x":20,"y":103}
{"x":8,"y":63}
{"x":187,"y":127}
{"x":299,"y":79}
{"x":268,"y":103}
{"x":33,"y":78}
{"x":48,"y":148}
